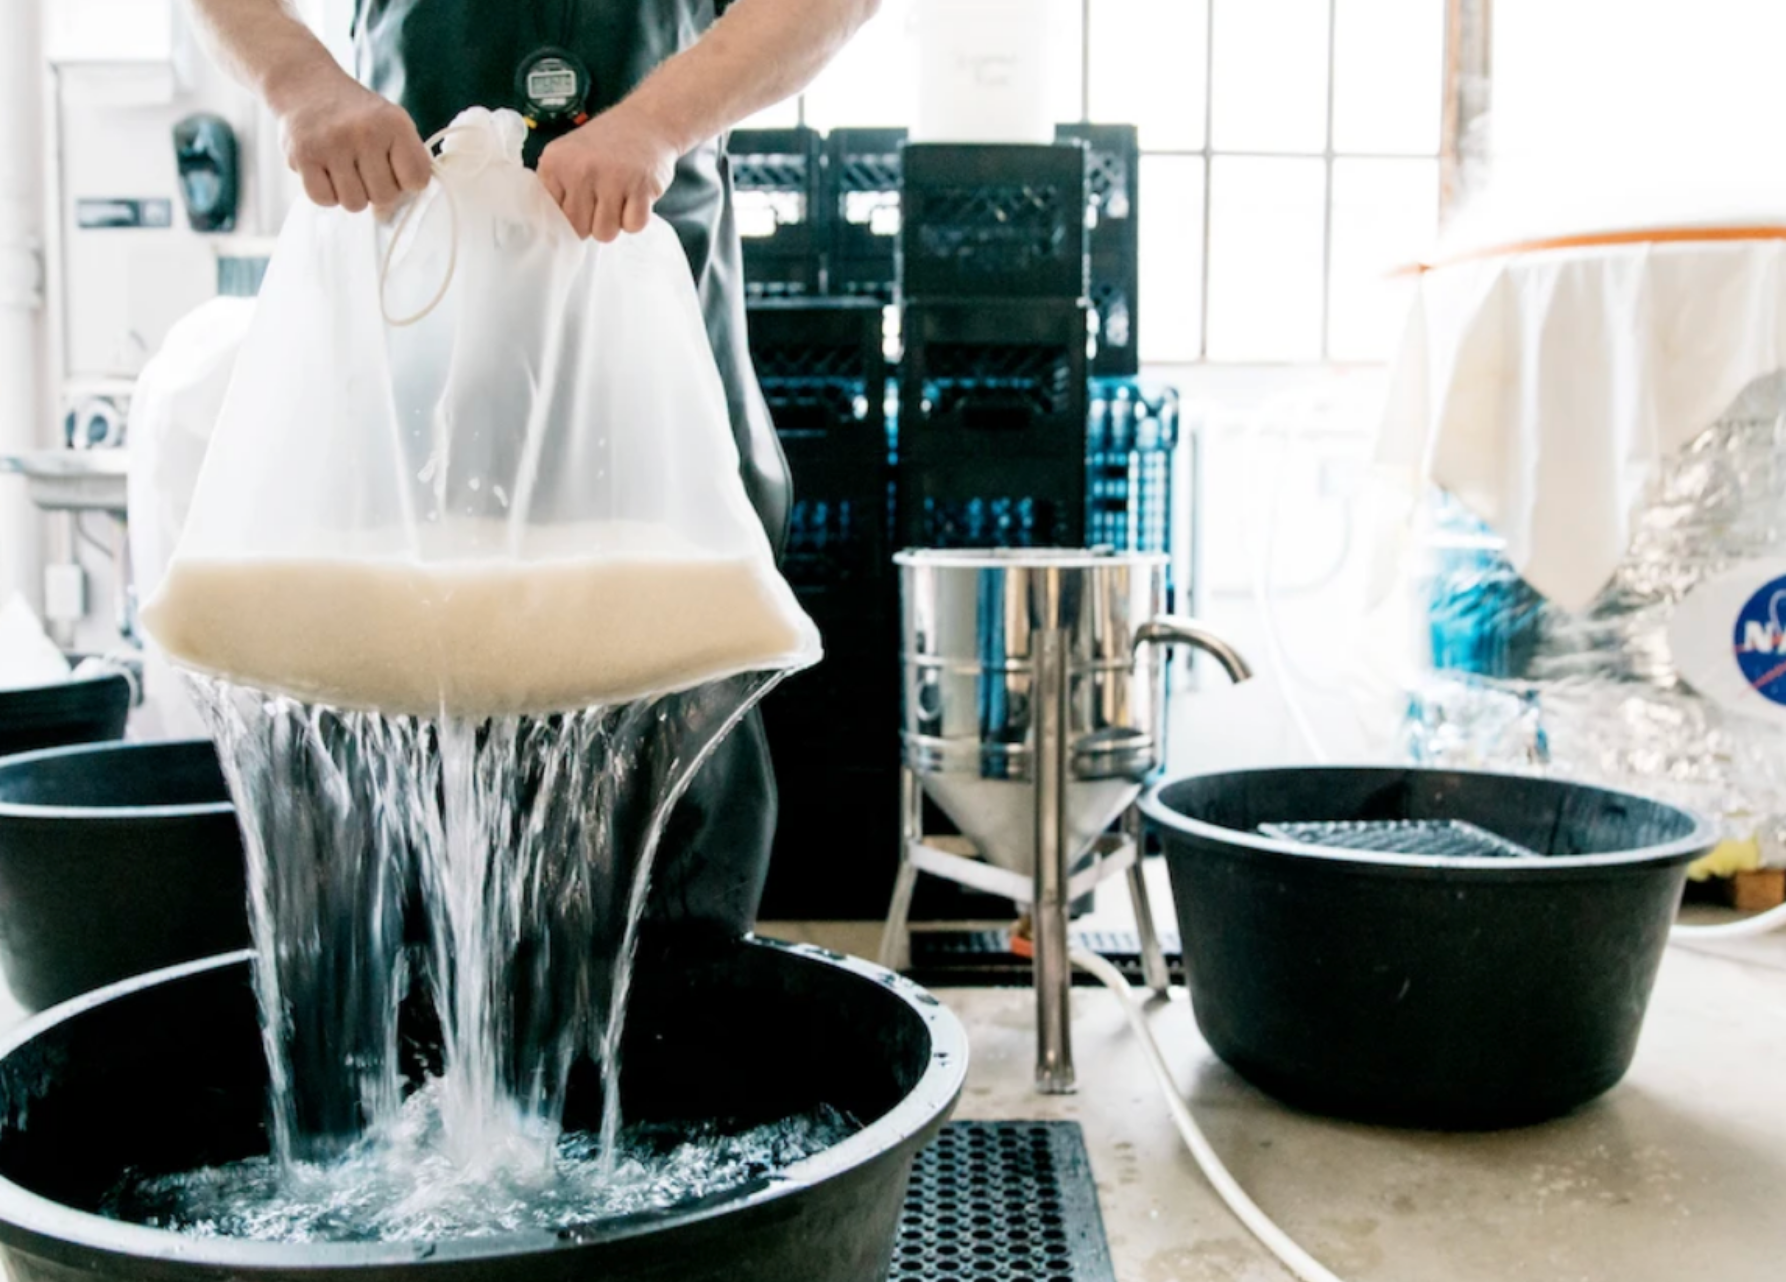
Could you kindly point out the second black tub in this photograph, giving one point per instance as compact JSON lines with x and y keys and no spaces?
{"x":1497,"y":976}
{"x":115,"y":859}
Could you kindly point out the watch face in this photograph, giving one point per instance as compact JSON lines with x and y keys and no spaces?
{"x":553,"y":85}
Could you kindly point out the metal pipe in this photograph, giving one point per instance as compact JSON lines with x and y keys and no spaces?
{"x":1053,"y":971}
{"x":1170,"y":630}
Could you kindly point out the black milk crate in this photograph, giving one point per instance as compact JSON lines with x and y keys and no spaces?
{"x":836,"y":551}
{"x":1016,"y":504}
{"x":1115,"y":299}
{"x":993,"y":220}
{"x":822,"y":364}
{"x":1112,"y":171}
{"x":823,"y":372}
{"x":862,"y":184}
{"x":993,"y":408}
{"x":1131,"y":441}
{"x":777,"y":160}
{"x":777,"y":177}
{"x":787,"y":264}
{"x":1113,"y":191}
{"x":992,"y":375}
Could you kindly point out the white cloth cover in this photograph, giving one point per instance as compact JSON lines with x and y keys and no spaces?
{"x":1543,"y":388}
{"x":173,"y":410}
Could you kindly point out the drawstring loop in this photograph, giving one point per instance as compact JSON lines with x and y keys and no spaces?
{"x":390,"y":250}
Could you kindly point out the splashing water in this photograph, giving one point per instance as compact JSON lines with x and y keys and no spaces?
{"x":500,"y":867}
{"x":400,"y":1184}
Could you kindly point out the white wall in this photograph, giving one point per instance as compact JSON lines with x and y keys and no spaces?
{"x":1693,"y":85}
{"x":1607,"y":114}
{"x":115,"y":292}
{"x":23,"y":402}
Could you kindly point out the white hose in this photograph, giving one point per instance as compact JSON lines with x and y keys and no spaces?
{"x":1748,"y":928}
{"x":1264,"y":601}
{"x":1260,"y":1225}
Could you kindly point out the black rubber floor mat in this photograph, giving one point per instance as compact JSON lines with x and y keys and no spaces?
{"x":983,"y":958}
{"x":1003,"y":1202}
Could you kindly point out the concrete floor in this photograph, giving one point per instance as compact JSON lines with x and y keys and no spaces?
{"x":1679,"y":1173}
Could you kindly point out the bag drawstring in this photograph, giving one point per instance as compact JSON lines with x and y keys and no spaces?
{"x":390,"y":250}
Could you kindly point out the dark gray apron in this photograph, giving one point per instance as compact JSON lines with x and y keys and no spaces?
{"x":437,"y":57}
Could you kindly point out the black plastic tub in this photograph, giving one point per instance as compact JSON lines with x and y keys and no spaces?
{"x":1435,"y":991}
{"x":115,"y":859}
{"x":88,"y":710}
{"x":165,"y":1073}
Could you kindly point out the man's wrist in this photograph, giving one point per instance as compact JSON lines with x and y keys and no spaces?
{"x":292,"y":80}
{"x":643,"y":111}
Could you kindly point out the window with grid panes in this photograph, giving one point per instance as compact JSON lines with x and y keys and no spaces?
{"x":1290,"y":156}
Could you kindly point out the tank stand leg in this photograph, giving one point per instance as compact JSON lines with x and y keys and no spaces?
{"x":1053,"y":970}
{"x":895,"y":938}
{"x":1153,"y":957}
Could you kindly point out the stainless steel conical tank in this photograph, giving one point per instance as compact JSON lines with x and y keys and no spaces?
{"x":973,"y":623}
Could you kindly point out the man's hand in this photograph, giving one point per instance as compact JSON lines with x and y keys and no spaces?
{"x":351,"y":147}
{"x":607,"y":174}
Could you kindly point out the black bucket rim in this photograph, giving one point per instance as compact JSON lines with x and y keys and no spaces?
{"x":102,"y":814}
{"x":73,"y":701}
{"x":1699,"y":838}
{"x":51,"y":687}
{"x":60,"y":1227}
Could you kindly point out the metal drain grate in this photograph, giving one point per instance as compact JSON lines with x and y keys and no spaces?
{"x":1437,"y":838}
{"x":1003,"y":1202}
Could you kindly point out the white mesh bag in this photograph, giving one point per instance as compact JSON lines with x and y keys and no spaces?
{"x":471,"y":464}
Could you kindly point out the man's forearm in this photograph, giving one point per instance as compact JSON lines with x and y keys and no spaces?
{"x":349,"y":146}
{"x":266,"y":46}
{"x":761,"y":52}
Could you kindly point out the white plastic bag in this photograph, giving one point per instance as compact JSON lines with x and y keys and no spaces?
{"x":472,"y":464}
{"x":28,"y":658}
{"x":173,"y":412}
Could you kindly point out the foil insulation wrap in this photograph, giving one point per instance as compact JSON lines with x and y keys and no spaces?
{"x":1518,"y":683}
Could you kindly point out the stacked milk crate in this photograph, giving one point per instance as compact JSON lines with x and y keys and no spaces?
{"x":824,"y":375}
{"x":1014,"y":419}
{"x":993,"y":392}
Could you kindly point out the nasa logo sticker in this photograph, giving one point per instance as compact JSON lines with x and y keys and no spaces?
{"x":1761,"y":641}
